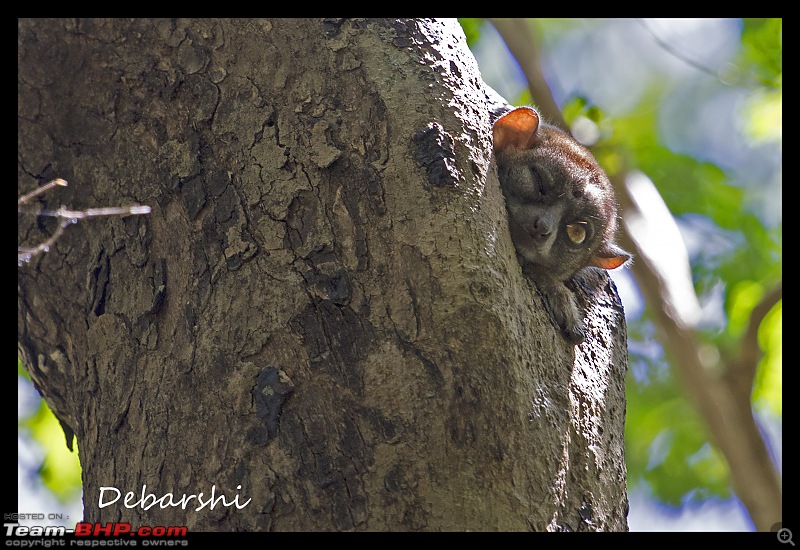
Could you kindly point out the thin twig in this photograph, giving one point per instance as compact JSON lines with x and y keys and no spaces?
{"x":36,"y":192}
{"x":738,"y":81}
{"x":67,"y":217}
{"x":93,"y":212}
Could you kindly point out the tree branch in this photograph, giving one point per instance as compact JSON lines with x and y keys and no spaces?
{"x":726,"y":412}
{"x":521,"y":42}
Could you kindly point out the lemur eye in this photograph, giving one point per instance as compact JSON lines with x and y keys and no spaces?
{"x":577,"y":232}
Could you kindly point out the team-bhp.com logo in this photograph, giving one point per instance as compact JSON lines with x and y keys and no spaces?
{"x":118,"y":529}
{"x":84,"y":529}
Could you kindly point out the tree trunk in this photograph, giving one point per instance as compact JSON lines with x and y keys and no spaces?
{"x":323,"y":316}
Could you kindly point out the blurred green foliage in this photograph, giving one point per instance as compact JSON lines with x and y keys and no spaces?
{"x":60,"y":470}
{"x":762,"y":50}
{"x":471,"y":27}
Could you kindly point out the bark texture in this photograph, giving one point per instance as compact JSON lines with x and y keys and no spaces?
{"x":323,"y":312}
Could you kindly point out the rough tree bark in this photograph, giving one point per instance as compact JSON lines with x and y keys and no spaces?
{"x":323,"y":313}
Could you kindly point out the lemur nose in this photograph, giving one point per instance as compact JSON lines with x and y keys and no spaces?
{"x":541,"y":228}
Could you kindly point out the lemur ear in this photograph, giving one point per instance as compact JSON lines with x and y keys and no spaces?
{"x":610,"y":256}
{"x":516,"y":129}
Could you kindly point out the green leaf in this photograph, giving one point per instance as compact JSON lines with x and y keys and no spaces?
{"x":768,"y":387}
{"x":763,"y":116}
